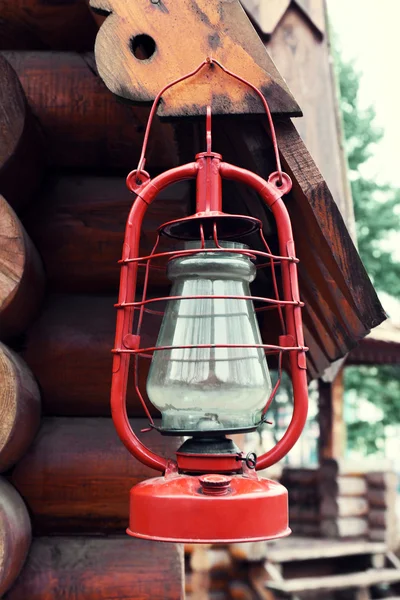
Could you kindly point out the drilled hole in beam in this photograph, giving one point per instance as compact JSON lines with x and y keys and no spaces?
{"x":142,"y":46}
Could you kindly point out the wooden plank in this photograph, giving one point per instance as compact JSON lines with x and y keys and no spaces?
{"x":331,"y":275}
{"x":383,"y":479}
{"x":78,"y":227}
{"x":15,"y":535}
{"x":90,"y":568}
{"x":77,"y":475}
{"x":33,"y":24}
{"x":358,"y":302}
{"x":344,"y":527}
{"x":267,"y":16}
{"x":336,"y":582}
{"x":332,"y":438}
{"x":345,"y":485}
{"x":302,"y":55}
{"x":179,"y":36}
{"x":343,"y":506}
{"x":69,"y":351}
{"x":381,"y":498}
{"x":19,"y":408}
{"x":85,"y":125}
{"x":22,"y":278}
{"x":21,"y":153}
{"x":331,"y":468}
{"x":302,"y":548}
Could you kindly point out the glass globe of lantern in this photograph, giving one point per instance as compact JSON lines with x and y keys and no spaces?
{"x":212,"y":376}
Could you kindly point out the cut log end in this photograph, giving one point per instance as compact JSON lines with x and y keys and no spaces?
{"x":19,"y":408}
{"x":15,"y":535}
{"x":21,"y":275}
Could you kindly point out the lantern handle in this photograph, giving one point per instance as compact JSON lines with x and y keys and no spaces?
{"x":210,"y":62}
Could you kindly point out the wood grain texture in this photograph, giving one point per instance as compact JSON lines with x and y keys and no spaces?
{"x":89,"y":568}
{"x":19,"y":408}
{"x":22,"y":278}
{"x":344,"y":527}
{"x":332,"y":439}
{"x":15,"y":535}
{"x":69,"y":351}
{"x":34,"y":24}
{"x":183,"y":34}
{"x":21,"y":161}
{"x":79,"y":223}
{"x":85,"y":125}
{"x":77,"y":475}
{"x":302,"y":55}
{"x":341,"y":305}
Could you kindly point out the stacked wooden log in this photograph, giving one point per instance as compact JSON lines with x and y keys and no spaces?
{"x":76,"y":476}
{"x":382,"y":489}
{"x":344,"y":505}
{"x":304,"y":502}
{"x":21,"y":294}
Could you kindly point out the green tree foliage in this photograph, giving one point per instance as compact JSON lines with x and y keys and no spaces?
{"x":376,"y":208}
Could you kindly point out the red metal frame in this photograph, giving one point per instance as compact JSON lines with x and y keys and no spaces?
{"x":208,"y":170}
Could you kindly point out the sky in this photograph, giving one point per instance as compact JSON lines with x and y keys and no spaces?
{"x":368,"y":32}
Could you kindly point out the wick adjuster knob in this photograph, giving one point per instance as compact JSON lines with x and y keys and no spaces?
{"x":215,"y":485}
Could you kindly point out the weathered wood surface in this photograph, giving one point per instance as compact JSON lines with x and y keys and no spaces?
{"x":343,"y":506}
{"x":21,"y":160}
{"x":15,"y":535}
{"x":344,"y":485}
{"x":22,"y":278}
{"x":89,"y":568}
{"x":69,"y":350}
{"x":344,"y":527}
{"x":383,"y":479}
{"x":354,"y":304}
{"x":178,"y":37}
{"x":302,"y":55}
{"x":19,"y":408}
{"x":77,"y":475}
{"x":302,"y":548}
{"x":269,"y":15}
{"x":85,"y":125}
{"x":78,"y":227}
{"x":332,"y":438}
{"x":332,"y":468}
{"x":345,"y":581}
{"x":34,"y":24}
{"x":340,"y":303}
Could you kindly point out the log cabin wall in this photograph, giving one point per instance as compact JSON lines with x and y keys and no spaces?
{"x":64,"y":172}
{"x":64,"y":496}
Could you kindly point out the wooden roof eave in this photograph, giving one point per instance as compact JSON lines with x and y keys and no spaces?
{"x":341,"y":304}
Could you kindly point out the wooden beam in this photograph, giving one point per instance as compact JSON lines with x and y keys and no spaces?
{"x":179,"y":35}
{"x":19,"y":408}
{"x":78,"y":226}
{"x":90,"y":568}
{"x":85,"y":125}
{"x":332,"y":428}
{"x":69,"y":350}
{"x":15,"y":535}
{"x":33,"y":24}
{"x":21,"y":152}
{"x":22,"y":278}
{"x":77,"y":475}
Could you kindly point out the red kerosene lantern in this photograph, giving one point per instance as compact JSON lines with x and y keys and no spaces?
{"x":209,"y":375}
